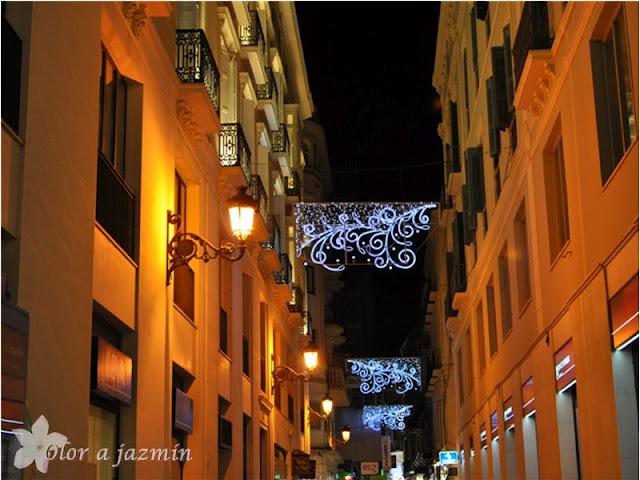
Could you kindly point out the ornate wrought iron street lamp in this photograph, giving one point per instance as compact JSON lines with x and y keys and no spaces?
{"x":284,"y":373}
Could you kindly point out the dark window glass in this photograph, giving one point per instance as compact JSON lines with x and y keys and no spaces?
{"x":311,"y":282}
{"x":224,"y":332}
{"x":11,"y":71}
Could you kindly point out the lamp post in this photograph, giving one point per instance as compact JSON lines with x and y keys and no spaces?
{"x":185,"y":246}
{"x":284,"y":373}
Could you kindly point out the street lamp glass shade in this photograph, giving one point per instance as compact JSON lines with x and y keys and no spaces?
{"x":310,"y":358}
{"x":242,"y":209}
{"x":345,"y":433}
{"x":327,"y":405}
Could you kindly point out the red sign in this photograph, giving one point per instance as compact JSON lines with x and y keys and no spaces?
{"x":528,"y":398}
{"x":624,"y":314}
{"x":112,"y":372}
{"x":565,"y":367}
{"x":509,"y":418}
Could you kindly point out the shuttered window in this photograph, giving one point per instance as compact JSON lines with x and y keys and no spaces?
{"x":499,"y":93}
{"x":505,"y":291}
{"x":466,"y":89}
{"x":470,"y":217}
{"x":455,"y":143}
{"x":491,"y":317}
{"x":480,"y":335}
{"x":474,"y":171}
{"x":474,"y":45}
{"x":508,"y":66}
{"x":613,"y":90}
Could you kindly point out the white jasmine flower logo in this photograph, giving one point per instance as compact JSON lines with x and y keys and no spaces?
{"x":35,"y":444}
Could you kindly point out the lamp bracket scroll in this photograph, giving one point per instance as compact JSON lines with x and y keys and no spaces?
{"x":283,"y":373}
{"x":185,"y":246}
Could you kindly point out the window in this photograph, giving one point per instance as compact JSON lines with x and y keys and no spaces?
{"x":505,"y":291}
{"x":224,"y":332}
{"x":613,"y":90}
{"x":522,"y":257}
{"x":247,"y":317}
{"x":474,"y":44}
{"x":311,"y":282}
{"x":11,"y":73}
{"x":183,"y":276}
{"x":460,"y":378}
{"x":491,"y":316}
{"x":480,"y":335}
{"x":466,"y":89}
{"x":290,"y":408}
{"x":469,"y":360}
{"x":115,"y":200}
{"x":263,"y":346}
{"x":556,"y":198}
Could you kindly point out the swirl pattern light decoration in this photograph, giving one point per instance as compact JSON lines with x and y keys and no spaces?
{"x":390,"y":416}
{"x":338,"y":234}
{"x":376,"y":374}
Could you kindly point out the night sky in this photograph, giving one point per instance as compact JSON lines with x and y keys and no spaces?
{"x":370,"y":69}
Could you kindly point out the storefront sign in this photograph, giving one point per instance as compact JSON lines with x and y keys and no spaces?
{"x":302,"y":466}
{"x":369,"y":468}
{"x":483,"y":435}
{"x":565,"y":367}
{"x":494,"y":425}
{"x":182,"y":411}
{"x":112,"y":371}
{"x":386,"y":452}
{"x":15,"y":341}
{"x":528,"y":398}
{"x":624,"y":314}
{"x":509,"y":418}
{"x":448,"y":458}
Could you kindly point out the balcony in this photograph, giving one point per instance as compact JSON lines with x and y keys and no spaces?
{"x":533,"y":34}
{"x":337,"y":387}
{"x":297,"y":300}
{"x":267,"y":94}
{"x":283,"y":279}
{"x":280,"y":147}
{"x":254,"y":46}
{"x":292,"y":185}
{"x":115,"y":206}
{"x":259,"y":194}
{"x":235,"y":156}
{"x":271,"y":248}
{"x":197,"y":71}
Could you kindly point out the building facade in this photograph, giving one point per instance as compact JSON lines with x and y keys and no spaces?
{"x":115,"y":116}
{"x":536,"y":311}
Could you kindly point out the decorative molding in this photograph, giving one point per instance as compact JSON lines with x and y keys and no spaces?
{"x":375,"y":417}
{"x":136,"y":16}
{"x":185,"y":115}
{"x":376,"y":374}
{"x":380,"y":234}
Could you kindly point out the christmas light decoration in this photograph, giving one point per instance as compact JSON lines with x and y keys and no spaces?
{"x":380,"y":234}
{"x":376,"y":374}
{"x":390,"y":416}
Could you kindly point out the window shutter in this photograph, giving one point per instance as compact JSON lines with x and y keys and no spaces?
{"x":609,"y":141}
{"x":482,"y":9}
{"x":455,"y":156}
{"x":474,"y":43}
{"x":494,"y":133}
{"x":500,"y":111}
{"x":508,"y":67}
{"x":469,"y":217}
{"x":459,"y":271}
{"x":475,"y":177}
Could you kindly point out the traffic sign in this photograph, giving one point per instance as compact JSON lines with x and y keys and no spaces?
{"x":449,"y":458}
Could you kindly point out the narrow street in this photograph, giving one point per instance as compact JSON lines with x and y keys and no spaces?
{"x":320,"y":240}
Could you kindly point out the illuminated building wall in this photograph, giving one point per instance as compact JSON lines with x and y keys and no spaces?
{"x":112,"y":127}
{"x":536,"y":247}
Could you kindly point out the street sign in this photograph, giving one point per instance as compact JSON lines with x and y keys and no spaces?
{"x":369,"y":468}
{"x":449,"y":458}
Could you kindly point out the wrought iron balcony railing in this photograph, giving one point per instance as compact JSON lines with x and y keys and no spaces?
{"x":115,"y":206}
{"x":234,"y":150}
{"x":533,"y":34}
{"x":252,"y":36}
{"x":195,"y":63}
{"x":295,"y":304}
{"x":259,"y":194}
{"x":273,"y":242}
{"x":451,"y":160}
{"x":335,"y":377}
{"x":280,"y":139}
{"x":284,"y":275}
{"x":269,"y":90}
{"x":292,"y":185}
